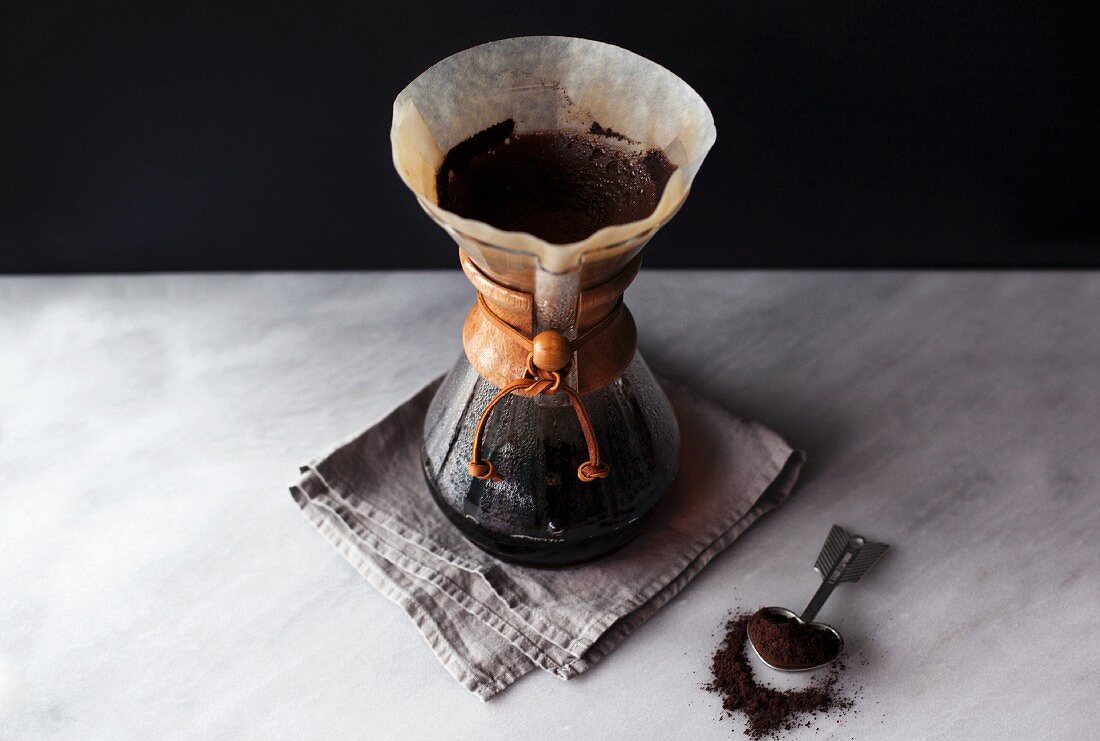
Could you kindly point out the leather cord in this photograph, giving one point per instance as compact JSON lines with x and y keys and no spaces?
{"x":537,"y":381}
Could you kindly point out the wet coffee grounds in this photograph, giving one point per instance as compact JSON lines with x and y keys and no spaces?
{"x":607,"y":131}
{"x":561,"y":186}
{"x":768,"y":711}
{"x":788,"y":643}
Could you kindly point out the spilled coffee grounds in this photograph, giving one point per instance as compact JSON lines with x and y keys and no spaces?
{"x":767,"y":710}
{"x":789,"y":643}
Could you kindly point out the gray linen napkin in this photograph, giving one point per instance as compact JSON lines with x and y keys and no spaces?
{"x":490,"y":622}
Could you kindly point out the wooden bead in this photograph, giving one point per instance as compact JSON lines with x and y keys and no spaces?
{"x":551,"y":351}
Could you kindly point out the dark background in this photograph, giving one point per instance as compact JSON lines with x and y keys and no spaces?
{"x":182,"y":136}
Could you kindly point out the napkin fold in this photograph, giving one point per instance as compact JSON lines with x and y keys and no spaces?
{"x":490,"y":622}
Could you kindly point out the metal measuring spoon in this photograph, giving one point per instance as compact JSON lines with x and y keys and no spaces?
{"x":844,"y":557}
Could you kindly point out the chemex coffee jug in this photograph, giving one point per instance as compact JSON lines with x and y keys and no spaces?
{"x":550,"y":441}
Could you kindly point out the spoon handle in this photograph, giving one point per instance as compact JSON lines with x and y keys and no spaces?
{"x":818,"y":600}
{"x":844,"y":557}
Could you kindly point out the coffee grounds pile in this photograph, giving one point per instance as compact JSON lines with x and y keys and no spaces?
{"x":789,"y":643}
{"x":767,"y":710}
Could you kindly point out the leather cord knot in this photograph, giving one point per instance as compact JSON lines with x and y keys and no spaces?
{"x":589,"y":471}
{"x":537,"y":381}
{"x":484,"y":470}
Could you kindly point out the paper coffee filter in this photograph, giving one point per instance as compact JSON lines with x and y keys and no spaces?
{"x":549,"y":82}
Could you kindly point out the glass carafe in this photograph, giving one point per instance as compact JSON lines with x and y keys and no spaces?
{"x":549,"y":442}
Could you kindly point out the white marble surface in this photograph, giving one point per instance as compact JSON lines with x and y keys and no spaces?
{"x":157,"y":581}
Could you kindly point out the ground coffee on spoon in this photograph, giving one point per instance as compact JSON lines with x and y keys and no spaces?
{"x":788,"y":643}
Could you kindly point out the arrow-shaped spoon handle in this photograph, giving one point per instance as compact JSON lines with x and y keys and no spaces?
{"x":844,"y":557}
